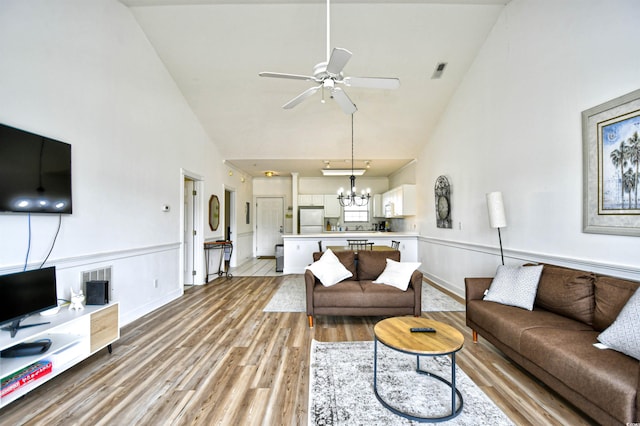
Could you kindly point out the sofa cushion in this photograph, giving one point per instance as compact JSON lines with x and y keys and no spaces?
{"x":371,"y":263}
{"x":397,"y":274}
{"x":329,"y":270}
{"x":623,"y":334}
{"x":606,"y":378}
{"x":515,"y":286}
{"x":567,"y":292}
{"x":611,"y":294}
{"x":508,"y":323}
{"x":347,"y":258}
{"x":362,"y":294}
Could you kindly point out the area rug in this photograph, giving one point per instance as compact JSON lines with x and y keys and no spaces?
{"x":341,"y":388}
{"x":291,"y":297}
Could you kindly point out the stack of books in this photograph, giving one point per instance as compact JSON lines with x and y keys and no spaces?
{"x":22,"y":377}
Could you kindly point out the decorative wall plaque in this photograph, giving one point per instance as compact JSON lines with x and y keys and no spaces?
{"x":443,"y":202}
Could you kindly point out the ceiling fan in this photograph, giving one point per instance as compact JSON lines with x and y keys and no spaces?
{"x":328,"y":75}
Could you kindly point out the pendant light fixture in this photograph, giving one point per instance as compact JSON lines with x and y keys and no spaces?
{"x":351,"y":198}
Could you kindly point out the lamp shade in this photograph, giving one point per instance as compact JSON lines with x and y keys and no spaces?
{"x":495,"y":205}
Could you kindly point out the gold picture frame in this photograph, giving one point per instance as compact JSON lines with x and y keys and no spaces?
{"x":214,"y":212}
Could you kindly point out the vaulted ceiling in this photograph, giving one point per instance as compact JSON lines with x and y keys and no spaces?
{"x":214,"y":50}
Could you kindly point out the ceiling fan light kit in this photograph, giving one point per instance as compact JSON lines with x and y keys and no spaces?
{"x":329,"y":73}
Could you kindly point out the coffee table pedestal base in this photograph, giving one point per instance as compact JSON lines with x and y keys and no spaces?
{"x":455,"y":393}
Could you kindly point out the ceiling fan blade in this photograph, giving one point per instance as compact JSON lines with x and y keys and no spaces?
{"x":372,"y":82}
{"x":337,"y":61}
{"x":343,"y":100}
{"x":283,"y":75}
{"x":301,"y":97}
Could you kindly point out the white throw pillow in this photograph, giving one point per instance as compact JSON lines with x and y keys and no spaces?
{"x":515,"y":286}
{"x":397,"y":274}
{"x":329,"y":270}
{"x":622,"y":335}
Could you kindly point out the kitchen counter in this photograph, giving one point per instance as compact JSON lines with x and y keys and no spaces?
{"x":354,"y":234}
{"x":299,"y":248}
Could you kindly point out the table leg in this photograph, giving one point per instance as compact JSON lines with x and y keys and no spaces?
{"x":455,"y":393}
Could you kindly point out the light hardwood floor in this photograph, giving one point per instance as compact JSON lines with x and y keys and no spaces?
{"x":213,"y":357}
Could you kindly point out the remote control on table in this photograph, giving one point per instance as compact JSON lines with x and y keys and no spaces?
{"x":423,"y":330}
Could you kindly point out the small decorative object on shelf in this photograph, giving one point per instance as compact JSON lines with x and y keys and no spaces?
{"x":77,"y":300}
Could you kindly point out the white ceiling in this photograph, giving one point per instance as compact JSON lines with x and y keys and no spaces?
{"x":214,"y":49}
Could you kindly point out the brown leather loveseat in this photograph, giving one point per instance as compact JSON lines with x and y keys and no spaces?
{"x":358,"y":296}
{"x":555,"y":341}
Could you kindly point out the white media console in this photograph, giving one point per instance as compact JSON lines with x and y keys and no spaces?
{"x":74,"y":335}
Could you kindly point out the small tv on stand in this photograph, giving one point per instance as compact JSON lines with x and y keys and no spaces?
{"x":26,"y":293}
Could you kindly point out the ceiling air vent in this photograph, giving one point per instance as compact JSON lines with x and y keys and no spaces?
{"x":437,"y":73}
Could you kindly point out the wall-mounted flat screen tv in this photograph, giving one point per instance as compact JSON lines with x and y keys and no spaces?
{"x":35,"y":173}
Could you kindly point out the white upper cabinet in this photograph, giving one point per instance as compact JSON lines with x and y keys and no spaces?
{"x":378,"y":206}
{"x":311,"y":200}
{"x":331,"y":206}
{"x":400,"y":201}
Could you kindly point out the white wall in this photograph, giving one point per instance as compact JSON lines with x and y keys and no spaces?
{"x":83,"y":72}
{"x":514,"y":126}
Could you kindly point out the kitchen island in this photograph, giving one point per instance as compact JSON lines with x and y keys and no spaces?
{"x":299,"y":248}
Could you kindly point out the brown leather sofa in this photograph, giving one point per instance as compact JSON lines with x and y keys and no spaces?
{"x":358,"y":296}
{"x":554,"y":342}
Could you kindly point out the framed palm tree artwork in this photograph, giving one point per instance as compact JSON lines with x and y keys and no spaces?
{"x":611,"y":155}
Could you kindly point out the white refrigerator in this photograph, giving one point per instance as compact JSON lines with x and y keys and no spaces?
{"x":311,"y":220}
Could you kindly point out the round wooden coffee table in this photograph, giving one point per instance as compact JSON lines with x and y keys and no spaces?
{"x":396,"y":334}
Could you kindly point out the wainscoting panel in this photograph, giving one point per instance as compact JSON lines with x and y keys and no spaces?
{"x":141,"y":279}
{"x":447,"y":263}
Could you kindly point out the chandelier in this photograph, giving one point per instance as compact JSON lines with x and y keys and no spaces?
{"x":351,"y":198}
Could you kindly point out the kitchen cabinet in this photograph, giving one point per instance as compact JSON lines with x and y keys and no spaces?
{"x":331,"y":206}
{"x":378,"y":206}
{"x":400,"y":201}
{"x":314,"y":200}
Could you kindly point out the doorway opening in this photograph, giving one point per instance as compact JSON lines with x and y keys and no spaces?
{"x":191,"y":233}
{"x":230,"y":221}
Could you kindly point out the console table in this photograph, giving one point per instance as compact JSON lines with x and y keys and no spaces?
{"x":74,"y":335}
{"x":227,"y":250}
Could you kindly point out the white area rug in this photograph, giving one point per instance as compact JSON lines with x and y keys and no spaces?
{"x":341,"y":388}
{"x":291,"y":297}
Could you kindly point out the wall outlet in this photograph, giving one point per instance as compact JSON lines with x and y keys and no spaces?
{"x":155,"y":283}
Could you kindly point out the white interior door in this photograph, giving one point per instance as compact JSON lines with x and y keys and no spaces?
{"x":269,"y":224}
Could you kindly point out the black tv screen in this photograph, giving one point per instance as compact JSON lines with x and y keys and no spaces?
{"x":35,"y":173}
{"x":26,"y":293}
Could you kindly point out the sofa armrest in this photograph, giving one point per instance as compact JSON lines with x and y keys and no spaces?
{"x":309,"y":283}
{"x":416,"y":283}
{"x":475,"y":288}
